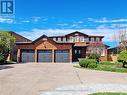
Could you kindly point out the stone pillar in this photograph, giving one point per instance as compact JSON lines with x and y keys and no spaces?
{"x":71,"y":56}
{"x":53,"y":56}
{"x":35,"y":56}
{"x":18,"y":56}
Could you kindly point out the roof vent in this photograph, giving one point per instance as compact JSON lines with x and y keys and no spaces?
{"x":44,"y":39}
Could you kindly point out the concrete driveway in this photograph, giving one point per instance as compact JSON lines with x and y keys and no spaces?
{"x":42,"y":79}
{"x":32,"y":79}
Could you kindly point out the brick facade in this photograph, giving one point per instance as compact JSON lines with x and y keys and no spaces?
{"x":78,"y":48}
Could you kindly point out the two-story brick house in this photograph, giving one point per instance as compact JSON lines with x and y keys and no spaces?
{"x":58,"y":49}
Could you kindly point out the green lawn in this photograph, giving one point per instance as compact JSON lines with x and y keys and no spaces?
{"x":112,"y":67}
{"x":108,"y":93}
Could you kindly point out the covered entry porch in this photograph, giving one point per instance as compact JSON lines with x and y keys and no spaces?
{"x":79,"y":52}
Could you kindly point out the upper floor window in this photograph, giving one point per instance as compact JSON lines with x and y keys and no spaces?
{"x":76,"y":38}
{"x":71,"y":39}
{"x":92,"y":39}
{"x":82,"y":39}
{"x":97,"y":39}
{"x":87,"y":39}
{"x":64,"y":39}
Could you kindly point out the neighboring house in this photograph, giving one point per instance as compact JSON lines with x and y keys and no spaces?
{"x":112,"y":54}
{"x":67,"y":48}
{"x":18,"y":38}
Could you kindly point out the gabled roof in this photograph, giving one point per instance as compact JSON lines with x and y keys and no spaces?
{"x":96,"y":36}
{"x":76,"y":32}
{"x":41,"y":37}
{"x":79,"y":33}
{"x":13,"y":33}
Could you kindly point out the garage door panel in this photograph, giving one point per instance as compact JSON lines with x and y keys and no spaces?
{"x":44,"y":56}
{"x":62,"y":56}
{"x":27,"y":56}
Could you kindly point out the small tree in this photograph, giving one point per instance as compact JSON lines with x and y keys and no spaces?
{"x":122,"y":57}
{"x":6,"y":43}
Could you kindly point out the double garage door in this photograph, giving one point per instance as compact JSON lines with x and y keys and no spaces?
{"x":45,"y":56}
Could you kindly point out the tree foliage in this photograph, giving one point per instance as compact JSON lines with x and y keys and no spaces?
{"x":6,"y":43}
{"x":122,"y":57}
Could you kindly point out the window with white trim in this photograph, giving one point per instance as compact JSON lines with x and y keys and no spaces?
{"x":92,"y":39}
{"x":76,"y":38}
{"x":97,"y":39}
{"x":82,"y":39}
{"x":87,"y":39}
{"x":102,"y":52}
{"x":64,"y":39}
{"x":71,"y":39}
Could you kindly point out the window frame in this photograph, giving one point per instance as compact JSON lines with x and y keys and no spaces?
{"x":76,"y":38}
{"x":87,"y":40}
{"x":92,"y":39}
{"x":102,"y":51}
{"x":82,"y":39}
{"x":71,"y":39}
{"x":97,"y":39}
{"x":64,"y":39}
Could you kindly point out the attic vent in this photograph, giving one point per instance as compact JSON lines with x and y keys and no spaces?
{"x":44,"y":39}
{"x":76,"y":34}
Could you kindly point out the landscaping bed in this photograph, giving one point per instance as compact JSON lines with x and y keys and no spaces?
{"x":107,"y":66}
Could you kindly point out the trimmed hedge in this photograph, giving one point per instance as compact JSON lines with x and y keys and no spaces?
{"x":88,"y":63}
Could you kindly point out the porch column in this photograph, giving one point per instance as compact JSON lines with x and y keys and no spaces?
{"x":35,"y":56}
{"x":71,"y":56}
{"x":18,"y":56}
{"x":53,"y":56}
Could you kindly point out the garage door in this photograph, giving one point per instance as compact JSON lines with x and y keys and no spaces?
{"x":44,"y":56}
{"x":62,"y":56}
{"x":27,"y":56}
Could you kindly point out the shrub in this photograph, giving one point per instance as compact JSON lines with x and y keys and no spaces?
{"x":1,"y":58}
{"x":106,"y":63}
{"x":88,"y":63}
{"x":92,"y":65}
{"x":93,"y":56}
{"x":83,"y":63}
{"x":122,"y":57}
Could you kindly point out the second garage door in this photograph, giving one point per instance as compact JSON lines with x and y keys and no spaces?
{"x":62,"y":56}
{"x":44,"y":56}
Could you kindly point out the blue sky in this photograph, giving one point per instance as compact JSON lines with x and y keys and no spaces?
{"x":34,"y":18}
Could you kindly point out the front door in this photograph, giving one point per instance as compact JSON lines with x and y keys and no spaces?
{"x":78,"y":53}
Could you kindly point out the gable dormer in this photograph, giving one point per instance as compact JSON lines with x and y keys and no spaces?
{"x":76,"y":37}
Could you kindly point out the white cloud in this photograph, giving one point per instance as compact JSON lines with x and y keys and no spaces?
{"x":105,"y":20}
{"x":35,"y":33}
{"x":80,"y":22}
{"x":65,"y":24}
{"x":6,"y":20}
{"x":36,"y":19}
{"x":26,"y":21}
{"x":119,"y":26}
{"x":74,"y":25}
